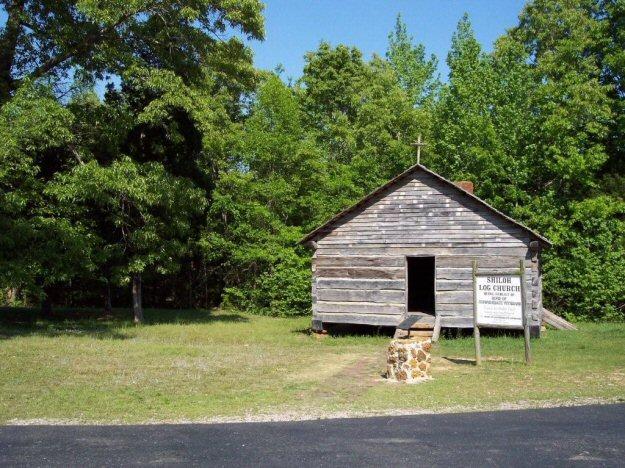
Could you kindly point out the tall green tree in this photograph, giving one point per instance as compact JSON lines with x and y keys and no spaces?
{"x":465,"y":137}
{"x":573,"y":115}
{"x":166,"y":142}
{"x":51,"y":38}
{"x":505,"y":182}
{"x":274,"y":188}
{"x":610,"y":14}
{"x":386,"y":126}
{"x":572,"y":104}
{"x":149,"y":211}
{"x":181,"y":89}
{"x":37,"y":247}
{"x":417,"y":74}
{"x":483,"y":121}
{"x":333,"y":79}
{"x":363,"y":119}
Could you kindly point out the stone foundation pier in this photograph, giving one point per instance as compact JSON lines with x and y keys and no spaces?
{"x":409,"y":360}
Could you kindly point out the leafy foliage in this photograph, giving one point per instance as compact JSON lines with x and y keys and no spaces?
{"x":530,"y":124}
{"x":416,"y":74}
{"x":202,"y":174}
{"x":36,"y":246}
{"x":593,"y":237}
{"x":148,"y":210}
{"x":49,"y":39}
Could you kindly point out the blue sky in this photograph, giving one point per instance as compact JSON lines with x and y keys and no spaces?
{"x":294,"y":27}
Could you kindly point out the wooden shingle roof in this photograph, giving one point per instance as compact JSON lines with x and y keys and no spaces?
{"x":321,"y":230}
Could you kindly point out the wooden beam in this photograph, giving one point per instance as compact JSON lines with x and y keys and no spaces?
{"x":476,"y":329}
{"x":556,"y":321}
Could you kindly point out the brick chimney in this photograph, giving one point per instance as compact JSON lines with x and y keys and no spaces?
{"x":465,"y":185}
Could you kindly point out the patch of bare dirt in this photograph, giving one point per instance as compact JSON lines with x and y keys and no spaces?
{"x":356,"y":376}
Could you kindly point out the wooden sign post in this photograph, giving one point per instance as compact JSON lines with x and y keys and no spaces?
{"x":526,"y":322}
{"x":499,"y":302}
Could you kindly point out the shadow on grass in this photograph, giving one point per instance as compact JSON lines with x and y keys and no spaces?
{"x":337,"y":330}
{"x":51,"y":329}
{"x":471,"y":362}
{"x":188,"y":316}
{"x":95,"y":324}
{"x":460,"y":361}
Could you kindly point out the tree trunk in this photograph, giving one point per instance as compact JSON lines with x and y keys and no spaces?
{"x":205,"y":285}
{"x":137,"y":300}
{"x":8,"y":47}
{"x":108,"y":307}
{"x":190,"y":286}
{"x":11,"y":296}
{"x":46,"y":307}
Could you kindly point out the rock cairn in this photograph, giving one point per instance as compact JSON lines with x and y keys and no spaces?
{"x":409,"y":360}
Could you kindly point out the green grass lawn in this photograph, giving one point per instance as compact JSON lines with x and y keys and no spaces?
{"x":194,"y":365}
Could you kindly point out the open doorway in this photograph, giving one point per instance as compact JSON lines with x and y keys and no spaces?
{"x":420,"y":284}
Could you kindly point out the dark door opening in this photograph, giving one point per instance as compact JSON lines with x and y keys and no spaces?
{"x":420,"y":284}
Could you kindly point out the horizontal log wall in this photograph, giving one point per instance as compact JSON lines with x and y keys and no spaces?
{"x":359,"y":269}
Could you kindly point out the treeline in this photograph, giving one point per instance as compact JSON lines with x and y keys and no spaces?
{"x":191,"y":180}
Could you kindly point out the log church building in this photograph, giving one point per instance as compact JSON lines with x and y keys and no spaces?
{"x":406,"y":251}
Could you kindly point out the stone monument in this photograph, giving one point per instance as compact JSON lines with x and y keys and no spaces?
{"x":409,"y":360}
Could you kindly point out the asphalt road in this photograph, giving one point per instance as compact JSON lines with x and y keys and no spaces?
{"x":588,"y":435}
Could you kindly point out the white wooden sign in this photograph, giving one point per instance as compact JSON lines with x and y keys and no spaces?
{"x":498,"y":301}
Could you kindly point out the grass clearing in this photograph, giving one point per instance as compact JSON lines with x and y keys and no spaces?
{"x":199,"y":366}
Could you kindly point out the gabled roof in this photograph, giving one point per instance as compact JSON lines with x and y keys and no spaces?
{"x":411,"y":170}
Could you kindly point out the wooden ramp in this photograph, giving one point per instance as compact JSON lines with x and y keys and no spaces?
{"x":555,"y":321}
{"x":416,"y":325}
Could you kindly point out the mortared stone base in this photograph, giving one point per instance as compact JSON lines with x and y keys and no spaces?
{"x":409,"y":360}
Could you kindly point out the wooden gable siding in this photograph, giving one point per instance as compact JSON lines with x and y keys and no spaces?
{"x":359,"y":264}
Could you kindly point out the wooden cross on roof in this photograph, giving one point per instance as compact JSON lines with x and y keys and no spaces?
{"x":419,"y":143}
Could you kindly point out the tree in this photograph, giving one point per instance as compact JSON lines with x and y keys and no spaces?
{"x":279,"y":151}
{"x":37,"y":247}
{"x":465,"y":137}
{"x":332,"y":80}
{"x":505,"y":183}
{"x":585,"y":274}
{"x":610,"y":50}
{"x":484,"y":121}
{"x":385,"y":127}
{"x":168,"y":137}
{"x":363,"y":119}
{"x":571,"y":128}
{"x":181,"y":88}
{"x":149,"y":211}
{"x":52,"y":38}
{"x":571,"y":103}
{"x":261,"y":203}
{"x":416,"y":74}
